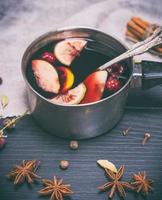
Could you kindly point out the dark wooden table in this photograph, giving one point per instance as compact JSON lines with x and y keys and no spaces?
{"x":143,"y":113}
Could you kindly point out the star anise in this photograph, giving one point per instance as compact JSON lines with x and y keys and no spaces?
{"x":141,"y":183}
{"x":24,"y":172}
{"x":115,"y":184}
{"x":55,"y":188}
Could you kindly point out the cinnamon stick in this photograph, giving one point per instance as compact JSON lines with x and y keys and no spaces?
{"x":143,"y":24}
{"x":159,"y":49}
{"x":135,"y":29}
{"x":131,"y":36}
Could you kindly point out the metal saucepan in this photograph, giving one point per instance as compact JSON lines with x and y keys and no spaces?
{"x":88,"y":120}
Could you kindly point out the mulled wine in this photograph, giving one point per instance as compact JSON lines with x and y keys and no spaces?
{"x":66,"y":72}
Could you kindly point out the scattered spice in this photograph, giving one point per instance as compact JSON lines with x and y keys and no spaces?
{"x":10,"y":123}
{"x":141,"y":183}
{"x":74,"y":145}
{"x":115,"y":184}
{"x":4,"y":101}
{"x":2,"y":139}
{"x":146,"y":138}
{"x":55,"y":188}
{"x":1,"y":80}
{"x":126,"y":131}
{"x":107,"y":165}
{"x":64,"y":164}
{"x":24,"y":172}
{"x":2,"y":133}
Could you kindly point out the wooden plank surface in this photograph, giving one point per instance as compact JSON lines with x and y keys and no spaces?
{"x":28,"y":141}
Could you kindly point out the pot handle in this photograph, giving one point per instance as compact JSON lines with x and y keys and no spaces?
{"x":147,"y":74}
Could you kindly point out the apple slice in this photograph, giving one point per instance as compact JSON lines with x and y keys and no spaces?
{"x":66,"y":50}
{"x":95,"y":84}
{"x":66,"y":77}
{"x":71,"y":97}
{"x":46,"y":76}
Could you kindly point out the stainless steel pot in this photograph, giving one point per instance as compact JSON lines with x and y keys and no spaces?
{"x":93,"y":119}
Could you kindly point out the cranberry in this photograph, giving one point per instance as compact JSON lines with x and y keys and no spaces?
{"x":109,"y":69}
{"x":2,"y":142}
{"x":114,"y":75}
{"x":117,"y":68}
{"x":113,"y":84}
{"x":48,"y":56}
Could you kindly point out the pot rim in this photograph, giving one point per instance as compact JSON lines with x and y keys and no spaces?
{"x":66,"y":29}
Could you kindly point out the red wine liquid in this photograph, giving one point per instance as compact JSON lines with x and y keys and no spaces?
{"x":85,"y":63}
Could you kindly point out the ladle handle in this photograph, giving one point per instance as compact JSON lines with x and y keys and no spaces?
{"x":151,"y":74}
{"x":139,"y":48}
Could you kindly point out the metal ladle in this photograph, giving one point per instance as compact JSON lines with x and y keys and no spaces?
{"x":139,"y":48}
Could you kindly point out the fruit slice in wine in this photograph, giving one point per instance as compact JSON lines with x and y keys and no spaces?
{"x":71,"y":97}
{"x":67,"y":50}
{"x":66,"y":78}
{"x":95,"y":84}
{"x":46,"y":76}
